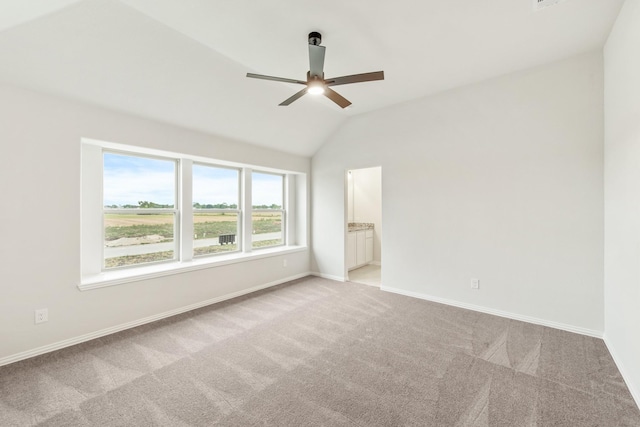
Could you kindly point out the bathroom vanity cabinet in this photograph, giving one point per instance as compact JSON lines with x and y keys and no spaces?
{"x":359,"y":247}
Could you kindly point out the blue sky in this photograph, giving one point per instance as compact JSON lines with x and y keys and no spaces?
{"x":215,"y":185}
{"x":267,"y":189}
{"x":130,"y":179}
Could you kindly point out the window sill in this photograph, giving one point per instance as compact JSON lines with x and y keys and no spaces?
{"x":117,"y":277}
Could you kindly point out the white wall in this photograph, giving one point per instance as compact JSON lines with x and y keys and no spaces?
{"x":501,"y":180}
{"x":367,"y":203}
{"x":622,"y":194}
{"x":40,"y":186}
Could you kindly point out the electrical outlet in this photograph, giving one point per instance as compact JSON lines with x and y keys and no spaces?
{"x":42,"y":315}
{"x":475,"y":283}
{"x":284,"y":262}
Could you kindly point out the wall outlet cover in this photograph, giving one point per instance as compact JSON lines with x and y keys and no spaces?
{"x":41,"y":315}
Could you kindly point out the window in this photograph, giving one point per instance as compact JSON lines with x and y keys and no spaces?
{"x":216,"y":212}
{"x":147,"y":212}
{"x":268,"y":215}
{"x":139,"y":210}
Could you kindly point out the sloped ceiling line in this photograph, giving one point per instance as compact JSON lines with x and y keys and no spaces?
{"x":185,"y":62}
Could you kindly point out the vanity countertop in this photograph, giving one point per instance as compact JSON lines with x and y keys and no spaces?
{"x":358,"y":226}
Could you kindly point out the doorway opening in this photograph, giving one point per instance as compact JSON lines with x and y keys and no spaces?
{"x":364,"y":226}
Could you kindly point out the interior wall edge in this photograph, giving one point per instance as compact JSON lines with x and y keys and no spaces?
{"x":622,"y":194}
{"x":329,"y":276}
{"x":506,"y":314}
{"x":635,"y":392}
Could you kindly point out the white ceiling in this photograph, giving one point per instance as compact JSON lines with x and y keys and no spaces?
{"x":184,"y":61}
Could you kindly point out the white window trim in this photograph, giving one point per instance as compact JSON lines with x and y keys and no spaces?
{"x":239,"y":210}
{"x":151,"y":271}
{"x":92,"y":275}
{"x":175,"y":210}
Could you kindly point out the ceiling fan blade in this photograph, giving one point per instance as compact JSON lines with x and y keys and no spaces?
{"x":297,"y":95}
{"x":316,"y":60}
{"x":275,"y":79}
{"x":336,"y":97}
{"x":355,"y":78}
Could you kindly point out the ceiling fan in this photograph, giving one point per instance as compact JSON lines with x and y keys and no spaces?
{"x":316,"y":84}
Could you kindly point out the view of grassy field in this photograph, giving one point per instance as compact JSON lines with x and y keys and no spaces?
{"x":126,"y":230}
{"x":167,"y":255}
{"x":122,"y":261}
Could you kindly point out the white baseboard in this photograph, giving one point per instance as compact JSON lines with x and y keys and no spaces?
{"x":506,"y":314}
{"x":107,"y":331}
{"x":328,"y":276}
{"x":378,"y":263}
{"x":633,"y":389}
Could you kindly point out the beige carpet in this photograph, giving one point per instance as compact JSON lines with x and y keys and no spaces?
{"x":317,"y":352}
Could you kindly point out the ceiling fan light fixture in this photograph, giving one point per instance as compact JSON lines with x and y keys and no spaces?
{"x":315,"y":88}
{"x":316,"y":84}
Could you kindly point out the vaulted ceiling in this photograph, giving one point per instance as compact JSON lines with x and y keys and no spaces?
{"x":184,"y":61}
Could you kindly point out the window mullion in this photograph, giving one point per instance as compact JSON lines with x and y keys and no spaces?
{"x":247,"y":224}
{"x":185,"y":215}
{"x":289,"y":210}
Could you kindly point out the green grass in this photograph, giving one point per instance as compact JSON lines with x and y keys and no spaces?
{"x":265,"y":243}
{"x":123,"y":261}
{"x":215,"y":249}
{"x":266,"y":225}
{"x":212,"y":229}
{"x":140,"y":230}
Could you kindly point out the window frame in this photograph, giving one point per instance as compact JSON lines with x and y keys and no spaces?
{"x":143,"y":211}
{"x":92,"y":275}
{"x":282,"y":210}
{"x":238,"y":210}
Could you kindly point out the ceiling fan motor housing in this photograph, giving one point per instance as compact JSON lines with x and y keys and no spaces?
{"x":315,"y":38}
